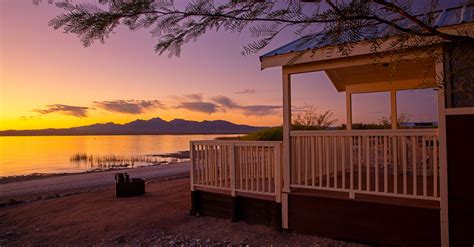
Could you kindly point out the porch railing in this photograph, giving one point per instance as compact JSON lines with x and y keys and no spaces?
{"x":400,"y":163}
{"x":237,"y":166}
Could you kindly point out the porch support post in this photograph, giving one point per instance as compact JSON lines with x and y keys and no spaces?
{"x":191,"y":164}
{"x":348,"y":110}
{"x":393,"y":97}
{"x":286,"y":146}
{"x":443,"y":166}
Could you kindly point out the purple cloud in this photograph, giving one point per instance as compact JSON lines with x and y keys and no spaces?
{"x":129,"y":106}
{"x":249,"y":110}
{"x":199,"y":106}
{"x":76,"y":111}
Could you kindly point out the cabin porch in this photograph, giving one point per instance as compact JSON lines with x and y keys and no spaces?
{"x":354,"y":178}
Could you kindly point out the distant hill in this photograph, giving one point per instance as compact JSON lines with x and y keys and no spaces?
{"x":154,"y":126}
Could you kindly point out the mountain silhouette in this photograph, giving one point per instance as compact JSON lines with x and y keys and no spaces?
{"x":154,"y":126}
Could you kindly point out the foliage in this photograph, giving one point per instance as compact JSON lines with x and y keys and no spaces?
{"x":383,"y":123}
{"x":267,"y":134}
{"x":309,"y":118}
{"x":339,"y":22}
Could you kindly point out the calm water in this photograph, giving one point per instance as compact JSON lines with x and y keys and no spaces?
{"x":21,"y":155}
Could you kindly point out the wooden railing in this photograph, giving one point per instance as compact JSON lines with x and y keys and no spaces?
{"x":237,"y":166}
{"x":400,"y":163}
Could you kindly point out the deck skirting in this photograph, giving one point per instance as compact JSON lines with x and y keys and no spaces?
{"x":365,"y":222}
{"x":239,"y":208}
{"x":384,"y":224}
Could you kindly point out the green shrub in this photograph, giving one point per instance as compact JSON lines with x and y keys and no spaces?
{"x":267,"y":134}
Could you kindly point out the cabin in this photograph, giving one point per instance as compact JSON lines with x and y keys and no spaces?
{"x":398,"y":186}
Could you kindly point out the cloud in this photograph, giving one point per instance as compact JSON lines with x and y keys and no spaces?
{"x":194,"y":96}
{"x":260,"y":110}
{"x":221,"y":103}
{"x":246,"y":91}
{"x":129,"y":106}
{"x":199,"y":106}
{"x":76,"y":111}
{"x":249,"y":110}
{"x":225,"y":102}
{"x":195,"y":102}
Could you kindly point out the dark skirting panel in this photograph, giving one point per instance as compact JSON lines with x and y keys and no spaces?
{"x":256,"y":211}
{"x":211,"y":204}
{"x":460,"y":148}
{"x":364,"y":222}
{"x":250,"y":210}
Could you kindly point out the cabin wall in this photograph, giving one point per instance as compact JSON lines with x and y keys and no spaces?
{"x":460,"y":145}
{"x":459,"y":95}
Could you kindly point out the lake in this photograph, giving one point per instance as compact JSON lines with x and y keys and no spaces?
{"x":23,"y":155}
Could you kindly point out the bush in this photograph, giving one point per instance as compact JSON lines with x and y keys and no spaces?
{"x":267,"y":134}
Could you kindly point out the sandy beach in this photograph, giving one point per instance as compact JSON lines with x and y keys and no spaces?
{"x":159,"y":218}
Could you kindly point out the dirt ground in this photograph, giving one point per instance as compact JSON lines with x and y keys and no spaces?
{"x":159,"y":218}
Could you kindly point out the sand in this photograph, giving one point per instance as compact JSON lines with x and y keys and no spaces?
{"x":161,"y":218}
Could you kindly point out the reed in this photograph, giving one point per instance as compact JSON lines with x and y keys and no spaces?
{"x":106,"y":162}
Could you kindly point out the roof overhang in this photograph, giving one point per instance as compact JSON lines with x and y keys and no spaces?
{"x":397,"y":75}
{"x":329,"y":53}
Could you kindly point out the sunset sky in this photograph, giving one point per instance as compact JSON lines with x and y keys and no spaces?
{"x":49,"y":80}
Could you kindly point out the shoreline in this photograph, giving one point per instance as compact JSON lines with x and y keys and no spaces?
{"x":151,"y":134}
{"x":40,"y":176}
{"x":54,"y":186}
{"x":181,"y":156}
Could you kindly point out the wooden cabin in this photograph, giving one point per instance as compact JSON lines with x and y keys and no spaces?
{"x":402,"y":187}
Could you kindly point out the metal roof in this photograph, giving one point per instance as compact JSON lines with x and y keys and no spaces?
{"x":443,"y":18}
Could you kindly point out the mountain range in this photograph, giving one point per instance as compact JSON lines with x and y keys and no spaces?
{"x":154,"y":126}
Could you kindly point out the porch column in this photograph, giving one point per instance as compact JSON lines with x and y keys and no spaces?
{"x":286,"y":146}
{"x":348,"y":110}
{"x":393,"y":97}
{"x":443,"y":173}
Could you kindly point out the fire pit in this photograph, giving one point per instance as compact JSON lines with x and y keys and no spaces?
{"x":128,"y":187}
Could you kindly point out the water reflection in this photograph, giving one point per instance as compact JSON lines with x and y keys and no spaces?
{"x":22,"y":155}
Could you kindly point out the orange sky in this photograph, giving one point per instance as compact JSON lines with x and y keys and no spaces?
{"x":49,"y":80}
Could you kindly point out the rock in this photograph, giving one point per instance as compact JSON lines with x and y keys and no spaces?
{"x":11,"y":202}
{"x":120,"y":240}
{"x":49,"y":196}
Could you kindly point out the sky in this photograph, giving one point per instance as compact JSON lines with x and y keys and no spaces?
{"x":49,"y":80}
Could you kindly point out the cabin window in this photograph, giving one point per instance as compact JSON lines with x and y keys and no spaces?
{"x":459,"y":75}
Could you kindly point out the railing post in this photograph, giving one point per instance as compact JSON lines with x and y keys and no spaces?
{"x":278,"y":154}
{"x":191,"y":164}
{"x":232,"y":169}
{"x":286,"y":146}
{"x":232,"y":182}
